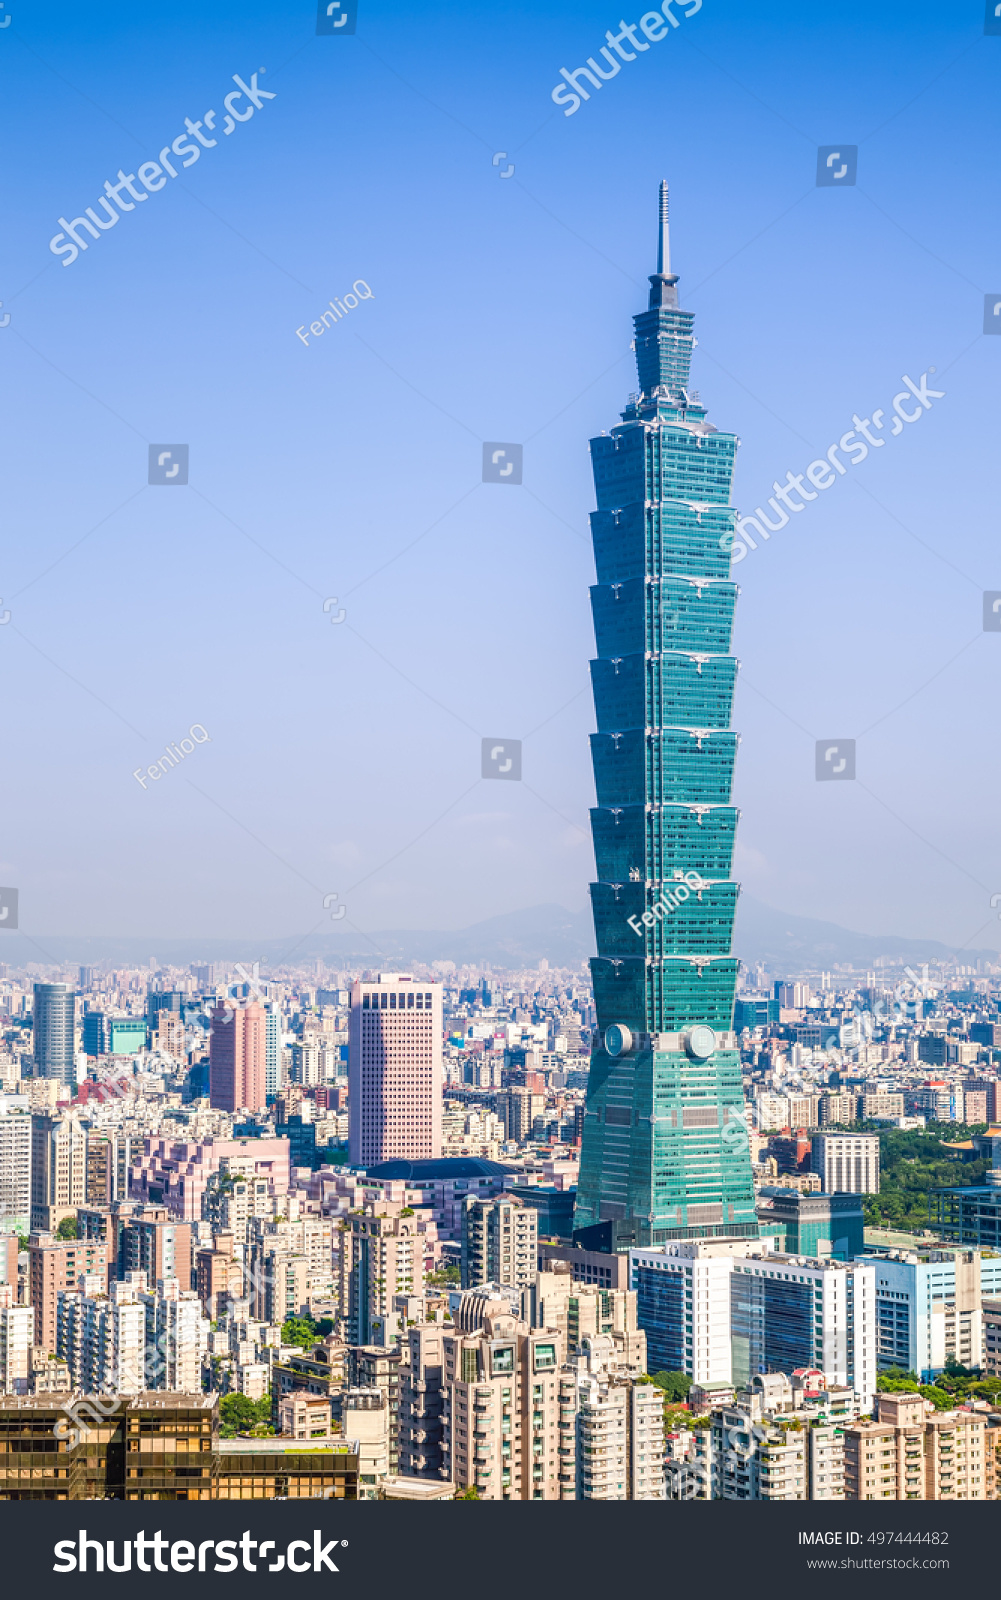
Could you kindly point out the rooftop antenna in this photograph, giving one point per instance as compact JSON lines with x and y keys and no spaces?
{"x":664,"y":242}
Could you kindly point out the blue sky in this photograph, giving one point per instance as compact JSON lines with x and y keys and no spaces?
{"x":344,"y":757}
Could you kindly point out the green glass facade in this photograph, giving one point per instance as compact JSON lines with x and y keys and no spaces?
{"x":664,"y":1152}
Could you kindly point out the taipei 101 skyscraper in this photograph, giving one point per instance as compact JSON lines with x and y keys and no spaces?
{"x":665,"y":1153}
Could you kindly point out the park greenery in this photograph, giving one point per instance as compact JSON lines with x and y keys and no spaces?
{"x":912,"y":1162}
{"x":951,"y":1388}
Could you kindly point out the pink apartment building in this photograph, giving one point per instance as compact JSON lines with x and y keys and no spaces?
{"x":174,"y":1172}
{"x":237,"y":1056}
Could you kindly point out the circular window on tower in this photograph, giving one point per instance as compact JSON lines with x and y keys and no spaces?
{"x":618,"y":1039}
{"x":701,"y":1042}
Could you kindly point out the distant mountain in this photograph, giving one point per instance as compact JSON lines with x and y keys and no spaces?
{"x":785,"y":944}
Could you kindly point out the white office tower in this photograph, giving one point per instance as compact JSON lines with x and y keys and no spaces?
{"x":847,"y":1163}
{"x":683,"y":1303}
{"x":789,"y":1312}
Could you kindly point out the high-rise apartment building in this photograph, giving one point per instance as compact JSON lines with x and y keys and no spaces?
{"x":54,"y":1017}
{"x":611,"y":1437}
{"x":394,"y":1070}
{"x":57,"y":1265}
{"x":584,"y":1313}
{"x":911,"y":1453}
{"x":381,"y":1256}
{"x":501,"y":1410}
{"x":664,"y":1153}
{"x":109,"y":1157}
{"x":422,"y":1403}
{"x":847,"y":1163}
{"x":272,"y":1048}
{"x":154,"y":1242}
{"x":15,"y":1165}
{"x":237,"y":1056}
{"x":518,"y":1108}
{"x":58,"y":1168}
{"x":500,"y":1241}
{"x":17,"y":1335}
{"x":171,"y":1036}
{"x":177,"y":1330}
{"x":102,"y":1337}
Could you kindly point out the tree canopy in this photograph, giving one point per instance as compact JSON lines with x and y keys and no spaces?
{"x":239,"y":1414}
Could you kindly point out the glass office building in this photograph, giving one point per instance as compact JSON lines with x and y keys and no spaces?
{"x":53,"y":1018}
{"x":664,"y":1151}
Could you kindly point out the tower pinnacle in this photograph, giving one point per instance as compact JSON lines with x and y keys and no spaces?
{"x":664,"y":243}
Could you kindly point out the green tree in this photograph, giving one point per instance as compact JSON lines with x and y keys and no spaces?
{"x":445,"y":1278}
{"x":299,"y":1332}
{"x":67,"y":1229}
{"x":472,"y":1493}
{"x":674,"y":1384}
{"x":239,"y":1414}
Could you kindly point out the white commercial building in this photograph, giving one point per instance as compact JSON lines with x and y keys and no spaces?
{"x":17,"y":1334}
{"x":789,"y":1312}
{"x":847,"y":1163}
{"x":15,"y":1163}
{"x":683,"y":1304}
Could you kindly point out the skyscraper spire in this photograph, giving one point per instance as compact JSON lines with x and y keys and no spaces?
{"x":664,"y":242}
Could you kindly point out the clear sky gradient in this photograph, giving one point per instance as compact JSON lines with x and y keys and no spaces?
{"x":343,"y":756}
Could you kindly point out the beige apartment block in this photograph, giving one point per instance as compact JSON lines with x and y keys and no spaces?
{"x":382,"y":1254}
{"x":304,"y":1416}
{"x":500,"y":1241}
{"x":582,"y":1311}
{"x":914,"y":1453}
{"x":501,"y":1409}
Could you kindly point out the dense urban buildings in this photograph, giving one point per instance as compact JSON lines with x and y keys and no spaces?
{"x":428,"y":1297}
{"x":664,"y":1150}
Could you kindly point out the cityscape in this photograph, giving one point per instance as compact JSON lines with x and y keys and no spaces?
{"x":642,"y":1230}
{"x":604,"y":1110}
